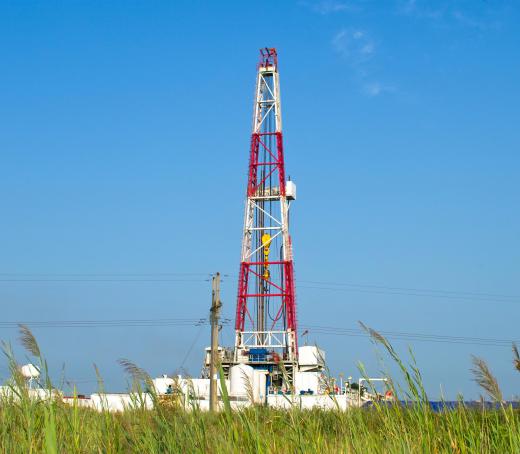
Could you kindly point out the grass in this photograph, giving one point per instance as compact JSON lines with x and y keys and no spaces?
{"x":31,"y":426}
{"x":58,"y":428}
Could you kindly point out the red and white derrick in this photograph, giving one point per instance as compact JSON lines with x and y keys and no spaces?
{"x":266,"y":306}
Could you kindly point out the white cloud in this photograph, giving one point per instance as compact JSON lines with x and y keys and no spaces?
{"x":417,"y":9}
{"x":448,"y":12}
{"x":376,"y":88}
{"x":339,"y":42}
{"x":368,"y":48}
{"x":358,"y":49}
{"x":373,"y":89}
{"x":471,"y":22}
{"x":354,"y":45}
{"x":331,"y":6}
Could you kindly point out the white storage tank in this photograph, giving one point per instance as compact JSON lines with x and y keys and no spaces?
{"x":30,"y":371}
{"x":161,"y":384}
{"x":120,"y":402}
{"x":308,"y":381}
{"x":259,"y":385}
{"x":310,"y":357}
{"x":290,"y":190}
{"x":241,"y":378}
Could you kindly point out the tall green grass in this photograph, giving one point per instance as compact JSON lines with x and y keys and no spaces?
{"x":30,"y":426}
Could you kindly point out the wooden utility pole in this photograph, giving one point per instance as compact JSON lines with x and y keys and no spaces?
{"x":215,"y":316}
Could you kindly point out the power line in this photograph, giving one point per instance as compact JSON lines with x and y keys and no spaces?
{"x":421,"y":337}
{"x":393,"y":337}
{"x":326,"y":285}
{"x":188,"y":352}
{"x":421,"y":290}
{"x":320,"y":285}
{"x":192,"y":322}
{"x":340,"y":289}
{"x":105,"y":274}
{"x":104,"y":280}
{"x":104,"y":277}
{"x":423,"y":295}
{"x":108,"y":323}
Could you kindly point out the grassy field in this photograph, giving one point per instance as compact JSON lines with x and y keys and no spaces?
{"x":29,"y":426}
{"x":57,"y":428}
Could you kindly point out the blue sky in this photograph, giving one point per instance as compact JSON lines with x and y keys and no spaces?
{"x":124,"y":131}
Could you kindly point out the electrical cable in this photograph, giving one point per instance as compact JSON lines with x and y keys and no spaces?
{"x":109,"y":323}
{"x":424,"y":290}
{"x":186,"y":356}
{"x":104,"y":280}
{"x":410,"y":336}
{"x":321,"y":285}
{"x":424,"y":295}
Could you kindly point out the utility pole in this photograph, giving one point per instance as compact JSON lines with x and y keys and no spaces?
{"x":215,"y":316}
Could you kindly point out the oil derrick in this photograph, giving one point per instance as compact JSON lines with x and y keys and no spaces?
{"x":265,"y":325}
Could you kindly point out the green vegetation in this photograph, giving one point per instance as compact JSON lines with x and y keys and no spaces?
{"x":31,"y":426}
{"x":257,"y":430}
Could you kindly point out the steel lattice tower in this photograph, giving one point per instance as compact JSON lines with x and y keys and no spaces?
{"x":266,"y":307}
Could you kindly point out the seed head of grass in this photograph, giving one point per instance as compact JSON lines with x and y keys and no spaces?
{"x":380,"y":339}
{"x":134,"y":371}
{"x":249,"y":387}
{"x":485,"y":379}
{"x":28,"y":341}
{"x":516,"y":357}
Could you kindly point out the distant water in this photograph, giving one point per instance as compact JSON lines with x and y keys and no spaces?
{"x":437,"y":405}
{"x":453,"y":404}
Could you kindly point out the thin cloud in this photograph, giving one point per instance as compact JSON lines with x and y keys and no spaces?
{"x":339,"y":43}
{"x":376,"y":88}
{"x":471,"y":22}
{"x":417,"y":9}
{"x":450,"y":13}
{"x":367,"y":49}
{"x":325,"y":7}
{"x":358,"y":49}
{"x":373,"y":89}
{"x":353,"y":45}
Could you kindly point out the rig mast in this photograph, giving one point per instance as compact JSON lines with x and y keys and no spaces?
{"x":266,"y":326}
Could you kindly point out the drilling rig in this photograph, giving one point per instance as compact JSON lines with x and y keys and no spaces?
{"x":265,"y":365}
{"x":266,"y":324}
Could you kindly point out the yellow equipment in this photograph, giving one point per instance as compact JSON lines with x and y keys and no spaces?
{"x":266,"y":242}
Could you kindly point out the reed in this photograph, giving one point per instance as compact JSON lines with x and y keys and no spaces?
{"x":485,"y":379}
{"x":516,"y":357}
{"x":29,"y":426}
